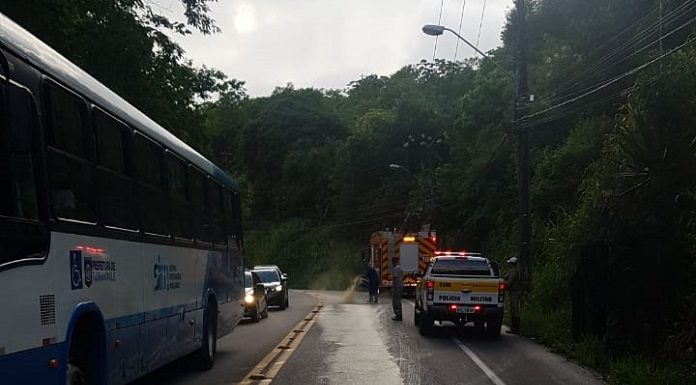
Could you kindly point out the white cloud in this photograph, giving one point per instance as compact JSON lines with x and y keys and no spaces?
{"x":327,"y":43}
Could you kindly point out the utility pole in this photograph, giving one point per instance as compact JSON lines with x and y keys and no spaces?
{"x":522,"y":130}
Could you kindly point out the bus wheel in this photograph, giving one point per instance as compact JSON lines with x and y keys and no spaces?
{"x":75,"y":376}
{"x":84,"y":357}
{"x":205,"y":356}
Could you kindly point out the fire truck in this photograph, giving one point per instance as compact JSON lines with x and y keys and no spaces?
{"x":414,"y":249}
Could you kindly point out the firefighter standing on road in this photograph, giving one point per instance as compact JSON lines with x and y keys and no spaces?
{"x":512,"y":285}
{"x":372,"y":284}
{"x":397,"y":288}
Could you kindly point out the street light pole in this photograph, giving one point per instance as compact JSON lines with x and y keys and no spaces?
{"x":522,"y":130}
{"x":427,"y":201}
{"x":437,"y":30}
{"x":519,"y":125}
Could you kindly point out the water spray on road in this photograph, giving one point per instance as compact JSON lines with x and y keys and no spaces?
{"x":350,"y":291}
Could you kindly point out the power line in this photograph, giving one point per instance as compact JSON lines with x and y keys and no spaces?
{"x":611,"y":81}
{"x":623,"y":59}
{"x":459,"y":31}
{"x":599,"y":47}
{"x":439,"y":22}
{"x":335,"y":225}
{"x":483,"y":12}
{"x":602,"y":64}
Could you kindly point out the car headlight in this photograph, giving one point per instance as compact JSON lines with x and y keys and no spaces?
{"x":249,"y":298}
{"x":279,"y":287}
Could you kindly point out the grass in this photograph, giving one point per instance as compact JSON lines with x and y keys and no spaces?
{"x":642,"y":371}
{"x":550,"y":330}
{"x":551,"y":327}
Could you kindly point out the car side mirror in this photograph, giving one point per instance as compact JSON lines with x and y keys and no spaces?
{"x":495,"y":268}
{"x":259,"y":288}
{"x":284,"y":276}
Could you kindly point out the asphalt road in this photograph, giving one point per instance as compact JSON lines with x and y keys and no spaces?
{"x":358,"y":343}
{"x":353,"y":342}
{"x":240,"y":351}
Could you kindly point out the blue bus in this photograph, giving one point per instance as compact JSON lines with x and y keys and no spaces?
{"x":120,"y":245}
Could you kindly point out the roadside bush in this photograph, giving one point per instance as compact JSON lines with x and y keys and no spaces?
{"x":313,"y":258}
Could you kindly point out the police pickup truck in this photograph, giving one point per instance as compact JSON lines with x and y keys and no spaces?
{"x":460,"y":287}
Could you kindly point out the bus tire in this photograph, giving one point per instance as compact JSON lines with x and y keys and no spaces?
{"x":205,"y":356}
{"x":75,"y":375}
{"x":84,"y":357}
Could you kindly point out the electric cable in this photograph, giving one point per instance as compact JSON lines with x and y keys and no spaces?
{"x":459,"y":31}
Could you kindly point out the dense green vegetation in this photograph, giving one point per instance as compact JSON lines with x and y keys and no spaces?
{"x":613,"y":158}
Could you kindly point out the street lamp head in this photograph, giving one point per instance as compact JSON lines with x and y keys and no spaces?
{"x":433,"y":30}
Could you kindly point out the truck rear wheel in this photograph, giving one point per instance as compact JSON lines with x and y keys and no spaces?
{"x":416,"y":315}
{"x":493,"y":327}
{"x":426,"y":324}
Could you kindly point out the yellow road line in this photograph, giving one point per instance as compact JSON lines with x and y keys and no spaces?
{"x":270,"y":365}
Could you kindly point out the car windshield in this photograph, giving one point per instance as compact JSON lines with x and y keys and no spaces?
{"x":247,"y":280}
{"x":267,"y":276}
{"x":461,"y":267}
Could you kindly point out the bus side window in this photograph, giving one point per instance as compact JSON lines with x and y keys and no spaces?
{"x":18,"y":195}
{"x":116,"y":191}
{"x":25,"y":239}
{"x":216,"y":210}
{"x":233,"y":221}
{"x":201,"y":213}
{"x":179,"y":201}
{"x":147,"y":169}
{"x":71,"y":174}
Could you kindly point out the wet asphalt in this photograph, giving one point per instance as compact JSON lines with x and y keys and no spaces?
{"x":354,"y":342}
{"x":358,"y":343}
{"x":240,"y":351}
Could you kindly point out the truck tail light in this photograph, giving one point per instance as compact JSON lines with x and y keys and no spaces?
{"x":430,"y":290}
{"x":477,"y":309}
{"x":452,"y":308}
{"x":501,"y":292}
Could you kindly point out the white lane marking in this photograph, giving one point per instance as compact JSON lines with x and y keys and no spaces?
{"x":486,"y":370}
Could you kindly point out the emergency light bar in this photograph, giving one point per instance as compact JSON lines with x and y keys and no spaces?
{"x":456,"y":253}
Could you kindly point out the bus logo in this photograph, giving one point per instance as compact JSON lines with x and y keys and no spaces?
{"x":75,"y":269}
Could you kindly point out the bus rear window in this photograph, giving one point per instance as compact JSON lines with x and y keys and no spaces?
{"x":461,"y":267}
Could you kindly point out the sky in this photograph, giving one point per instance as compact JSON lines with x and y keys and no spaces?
{"x":328,"y":43}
